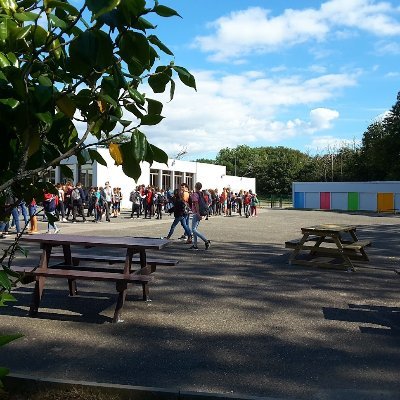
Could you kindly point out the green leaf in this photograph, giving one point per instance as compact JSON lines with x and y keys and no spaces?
{"x":45,"y":81}
{"x":22,"y":33}
{"x":66,"y":105}
{"x":159,"y":155}
{"x":156,"y":41}
{"x":9,"y":5}
{"x":165,"y":11}
{"x":138,"y":145}
{"x":108,"y":99}
{"x":154,"y":106}
{"x":4,"y":61}
{"x":12,"y":103}
{"x":131,"y":107}
{"x":45,"y":117}
{"x":159,"y":80}
{"x":136,"y":96}
{"x":13,"y":59}
{"x":64,"y":6}
{"x":96,"y":156}
{"x":4,"y":339}
{"x":143,"y":24}
{"x":185,"y":76}
{"x":131,"y":9}
{"x":5,"y":280}
{"x":26,"y":16}
{"x":58,"y":22}
{"x":151,"y":119}
{"x":66,"y":171}
{"x":134,"y":47}
{"x":100,"y":7}
{"x":39,"y":36}
{"x":172,"y":90}
{"x":91,"y":50}
{"x":5,"y":296}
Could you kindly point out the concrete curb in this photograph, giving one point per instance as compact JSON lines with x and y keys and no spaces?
{"x":125,"y":392}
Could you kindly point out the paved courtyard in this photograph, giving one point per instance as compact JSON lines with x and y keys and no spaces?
{"x":235,"y":319}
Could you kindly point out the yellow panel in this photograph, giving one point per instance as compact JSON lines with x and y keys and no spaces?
{"x":385,"y":202}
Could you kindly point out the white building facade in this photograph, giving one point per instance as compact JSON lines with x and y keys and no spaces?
{"x":158,"y":175}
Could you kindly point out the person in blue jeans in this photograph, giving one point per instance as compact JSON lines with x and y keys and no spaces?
{"x":179,"y":209}
{"x":196,"y":218}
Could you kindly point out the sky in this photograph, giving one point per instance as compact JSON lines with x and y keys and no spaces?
{"x":308,"y":75}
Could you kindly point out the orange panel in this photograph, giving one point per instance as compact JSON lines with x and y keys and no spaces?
{"x":385,"y":201}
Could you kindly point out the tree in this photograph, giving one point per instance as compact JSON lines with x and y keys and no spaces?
{"x":61,"y":65}
{"x":75,"y":70}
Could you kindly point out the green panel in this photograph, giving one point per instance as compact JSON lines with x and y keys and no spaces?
{"x":352,"y":201}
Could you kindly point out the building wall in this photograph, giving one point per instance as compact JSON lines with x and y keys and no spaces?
{"x":348,"y":196}
{"x":210,"y":175}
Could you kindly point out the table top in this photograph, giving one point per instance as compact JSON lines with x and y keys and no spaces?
{"x":329,"y":228}
{"x":138,"y":243}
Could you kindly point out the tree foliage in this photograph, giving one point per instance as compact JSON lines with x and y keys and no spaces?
{"x":61,"y":65}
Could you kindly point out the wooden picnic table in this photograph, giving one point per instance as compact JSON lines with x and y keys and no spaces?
{"x":328,"y":245}
{"x":71,"y":269}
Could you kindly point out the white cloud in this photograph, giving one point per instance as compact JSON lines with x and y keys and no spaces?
{"x":384,"y":48}
{"x":249,"y":108}
{"x":255,"y":30}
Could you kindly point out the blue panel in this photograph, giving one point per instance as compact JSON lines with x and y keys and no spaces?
{"x":312,"y":200}
{"x":298,"y":200}
{"x":368,"y":201}
{"x":339,"y":201}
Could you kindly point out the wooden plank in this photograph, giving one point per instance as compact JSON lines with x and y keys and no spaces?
{"x":116,"y":259}
{"x":357,"y":245}
{"x":90,"y":275}
{"x":320,"y":264}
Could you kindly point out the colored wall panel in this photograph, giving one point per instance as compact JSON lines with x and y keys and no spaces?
{"x":368,"y":201}
{"x":325,"y":200}
{"x":385,"y":201}
{"x":299,"y":200}
{"x":353,"y":201}
{"x":339,"y":201}
{"x":312,"y":200}
{"x":397,"y":201}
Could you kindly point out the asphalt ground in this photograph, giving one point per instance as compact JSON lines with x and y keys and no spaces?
{"x":235,"y":319}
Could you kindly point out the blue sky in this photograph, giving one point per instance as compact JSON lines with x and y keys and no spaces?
{"x":310,"y":75}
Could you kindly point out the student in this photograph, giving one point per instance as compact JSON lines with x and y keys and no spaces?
{"x":179,"y":210}
{"x":196,"y":218}
{"x":50,"y":205}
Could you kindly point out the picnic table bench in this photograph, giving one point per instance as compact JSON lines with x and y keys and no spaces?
{"x":339,"y":255}
{"x":71,"y":269}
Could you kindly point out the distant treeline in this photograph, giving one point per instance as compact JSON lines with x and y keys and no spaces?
{"x":275,"y":168}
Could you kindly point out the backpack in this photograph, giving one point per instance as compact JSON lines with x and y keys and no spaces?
{"x":203,"y":206}
{"x":75,"y":194}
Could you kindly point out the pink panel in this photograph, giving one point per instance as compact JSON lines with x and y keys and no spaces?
{"x":325,"y":200}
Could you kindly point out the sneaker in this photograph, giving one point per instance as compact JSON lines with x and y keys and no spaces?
{"x":74,"y":222}
{"x":189,"y":241}
{"x":57,"y":230}
{"x":193,"y":247}
{"x":183,"y":237}
{"x":207,"y":244}
{"x":64,"y":220}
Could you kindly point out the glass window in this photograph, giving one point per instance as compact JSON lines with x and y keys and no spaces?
{"x":86,"y":175}
{"x":178,"y":179}
{"x":166,"y":180}
{"x":154,"y":177}
{"x":190,"y":180}
{"x":50,"y":176}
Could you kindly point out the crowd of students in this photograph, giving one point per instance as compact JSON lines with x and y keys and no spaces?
{"x":104,"y":202}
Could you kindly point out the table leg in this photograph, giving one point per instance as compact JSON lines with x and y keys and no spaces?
{"x":296,"y":251}
{"x":73,"y":290}
{"x":346,"y":260}
{"x":40,"y":280}
{"x":121,"y":289}
{"x":317,"y":244}
{"x":128,"y":261}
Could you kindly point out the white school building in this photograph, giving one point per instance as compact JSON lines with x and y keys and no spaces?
{"x":157,"y":175}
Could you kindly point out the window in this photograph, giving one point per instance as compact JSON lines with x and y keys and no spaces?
{"x":190,"y":180}
{"x":178,"y":179}
{"x":166,"y":180}
{"x":86,"y":175}
{"x":50,"y":176}
{"x":154,"y":177}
